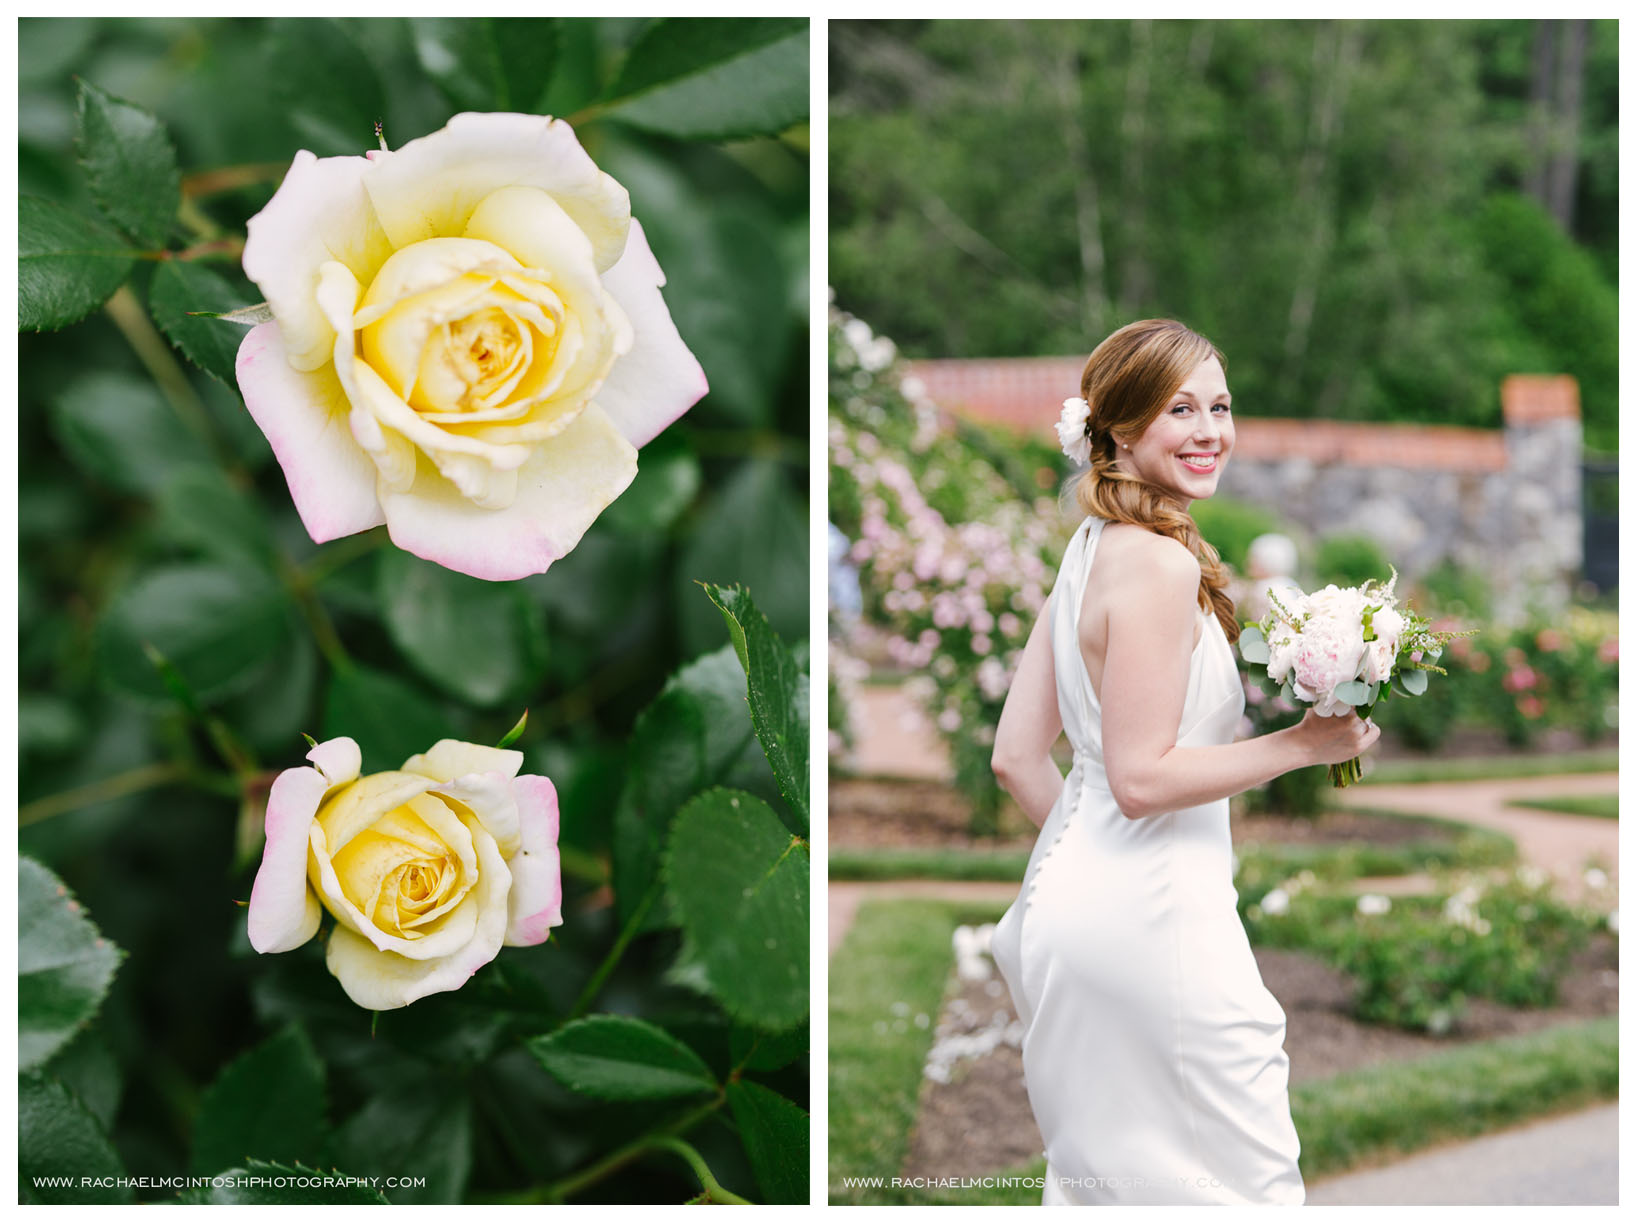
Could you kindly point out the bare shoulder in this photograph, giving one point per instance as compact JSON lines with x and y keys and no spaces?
{"x":1155,"y":561}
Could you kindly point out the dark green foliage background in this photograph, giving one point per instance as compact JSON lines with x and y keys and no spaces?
{"x":1023,"y":188}
{"x":150,"y":509}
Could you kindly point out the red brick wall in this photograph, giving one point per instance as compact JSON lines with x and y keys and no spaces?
{"x":1024,"y":393}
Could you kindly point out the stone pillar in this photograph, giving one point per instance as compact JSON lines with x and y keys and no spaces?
{"x":1537,"y":527}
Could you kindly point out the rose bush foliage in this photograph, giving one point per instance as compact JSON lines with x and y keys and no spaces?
{"x":179,"y":629}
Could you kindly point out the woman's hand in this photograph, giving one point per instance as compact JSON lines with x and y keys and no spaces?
{"x":1333,"y":739}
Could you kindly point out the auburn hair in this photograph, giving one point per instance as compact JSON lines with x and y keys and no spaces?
{"x":1128,"y":381}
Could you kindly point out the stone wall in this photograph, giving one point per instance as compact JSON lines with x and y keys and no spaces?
{"x":1506,"y":502}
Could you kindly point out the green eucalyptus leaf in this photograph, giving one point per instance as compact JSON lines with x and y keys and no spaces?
{"x":118,"y":430}
{"x":67,"y":264}
{"x":269,"y":1100}
{"x":488,"y":63}
{"x":620,"y":1058}
{"x":219,"y":627}
{"x":261,"y":1183}
{"x":178,"y":291}
{"x":739,"y":882}
{"x":1253,"y":646}
{"x":130,"y":164}
{"x":715,"y":79}
{"x":778,"y":695}
{"x":483,"y":642}
{"x":1415,"y":681}
{"x":775,"y":1134}
{"x":64,"y":965}
{"x":326,"y":85}
{"x":1354,"y":692}
{"x":59,"y":1139}
{"x":391,"y":719}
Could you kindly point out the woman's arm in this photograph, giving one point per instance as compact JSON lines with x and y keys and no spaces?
{"x":1150,"y":645}
{"x":1029,"y":726}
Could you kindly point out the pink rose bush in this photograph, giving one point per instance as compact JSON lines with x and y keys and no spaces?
{"x":427,"y":871}
{"x":468,"y":343}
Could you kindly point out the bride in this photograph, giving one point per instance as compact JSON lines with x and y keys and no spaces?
{"x":1153,"y":1053}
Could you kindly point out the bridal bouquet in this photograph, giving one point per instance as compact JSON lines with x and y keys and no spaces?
{"x":1340,"y":649}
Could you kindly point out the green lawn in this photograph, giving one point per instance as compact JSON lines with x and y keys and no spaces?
{"x":1603,"y":806}
{"x":893,"y":967}
{"x":1469,"y":769}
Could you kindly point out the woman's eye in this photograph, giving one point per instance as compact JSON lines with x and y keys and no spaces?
{"x":1224,"y":407}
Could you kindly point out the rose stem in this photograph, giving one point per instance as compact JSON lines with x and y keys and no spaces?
{"x":154,"y":351}
{"x":117,"y":786}
{"x":712,"y":1187}
{"x":627,"y":933}
{"x":559,"y":1190}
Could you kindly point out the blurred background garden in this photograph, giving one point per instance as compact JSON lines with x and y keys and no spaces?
{"x":1402,"y":235}
{"x":151,"y":514}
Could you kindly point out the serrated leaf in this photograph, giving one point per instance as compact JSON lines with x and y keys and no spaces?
{"x":775,"y":1134}
{"x":715,"y":79}
{"x":268,"y":1102}
{"x":391,"y":719}
{"x":88,"y":1069}
{"x":211,"y":343}
{"x":488,"y":63}
{"x":777,"y":692}
{"x":261,"y":1183}
{"x":666,"y":764}
{"x":67,"y":264}
{"x":739,"y":882}
{"x":421,"y":1127}
{"x":130,"y":164}
{"x":620,"y":1058}
{"x":221,"y":627}
{"x":202,"y":510}
{"x":325,"y":84}
{"x":483,"y":642}
{"x":59,"y":1140}
{"x":758,"y":1051}
{"x":118,"y":430}
{"x":64,"y":965}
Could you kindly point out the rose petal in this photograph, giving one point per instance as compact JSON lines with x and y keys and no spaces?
{"x":536,"y":901}
{"x":305,"y":418}
{"x":284,"y":913}
{"x":381,"y":980}
{"x":448,"y":759}
{"x":430,"y":187}
{"x":659,"y":379}
{"x":337,"y":759}
{"x":319,"y":213}
{"x":561,"y":490}
{"x":489,"y":797}
{"x":453,"y":933}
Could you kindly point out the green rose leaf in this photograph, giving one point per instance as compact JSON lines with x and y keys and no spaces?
{"x":483,"y":642}
{"x":759,"y":1051}
{"x":618,"y":1058}
{"x":88,"y":1069}
{"x":778,"y":695}
{"x":488,"y":63}
{"x":57,"y":1138}
{"x":418,"y":1128}
{"x":67,"y":264}
{"x":1253,"y":646}
{"x":754,"y":532}
{"x":118,"y":430}
{"x":326,"y":85}
{"x":260,"y":1183}
{"x":739,"y":882}
{"x":1415,"y":681}
{"x":130,"y":164}
{"x":220,"y":627}
{"x":706,"y":79}
{"x":668,"y":479}
{"x":64,"y":965}
{"x":268,"y":1101}
{"x":775,"y":1134}
{"x":666,"y":765}
{"x":177,"y":295}
{"x":390,"y":719}
{"x":202,"y":510}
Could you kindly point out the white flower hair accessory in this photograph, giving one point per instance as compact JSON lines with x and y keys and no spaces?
{"x":1072,"y":430}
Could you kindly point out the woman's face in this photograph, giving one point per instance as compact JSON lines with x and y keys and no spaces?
{"x":1185,"y":447}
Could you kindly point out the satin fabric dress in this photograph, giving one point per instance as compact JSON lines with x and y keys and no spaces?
{"x":1152,"y":1051}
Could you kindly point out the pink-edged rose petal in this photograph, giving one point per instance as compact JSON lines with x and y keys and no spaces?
{"x":284,"y":913}
{"x":535,"y":905}
{"x":305,"y":417}
{"x":659,"y":379}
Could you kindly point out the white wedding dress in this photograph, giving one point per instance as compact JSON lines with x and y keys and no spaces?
{"x":1152,"y":1050}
